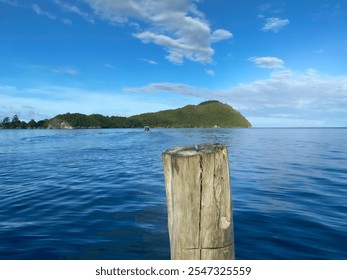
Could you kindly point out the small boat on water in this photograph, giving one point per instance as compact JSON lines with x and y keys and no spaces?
{"x":146,"y":128}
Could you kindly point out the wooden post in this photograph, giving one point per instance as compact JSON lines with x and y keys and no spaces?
{"x":197,"y":184}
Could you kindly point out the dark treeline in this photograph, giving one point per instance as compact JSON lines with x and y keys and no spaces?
{"x":69,"y":120}
{"x":15,"y":122}
{"x":76,"y":120}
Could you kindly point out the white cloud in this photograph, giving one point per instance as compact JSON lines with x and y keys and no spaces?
{"x":209,"y":72}
{"x":41,"y":12}
{"x":149,"y":61}
{"x":66,"y":21}
{"x":290,"y":90}
{"x":178,"y":49}
{"x":220,"y":34}
{"x":177,"y":26}
{"x":265,"y":7}
{"x":275,"y":24}
{"x":267,"y":62}
{"x":37,"y":68}
{"x":110,"y":66}
{"x":181,"y":89}
{"x":74,"y":9}
{"x":13,"y":3}
{"x":68,"y":70}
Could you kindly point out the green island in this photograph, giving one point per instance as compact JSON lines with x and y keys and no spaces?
{"x":206,"y":114}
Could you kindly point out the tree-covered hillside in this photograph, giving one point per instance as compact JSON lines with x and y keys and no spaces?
{"x":206,"y":114}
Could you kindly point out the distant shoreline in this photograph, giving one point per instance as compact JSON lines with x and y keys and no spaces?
{"x":209,"y":114}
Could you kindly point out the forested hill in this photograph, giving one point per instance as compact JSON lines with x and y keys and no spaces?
{"x":206,"y":114}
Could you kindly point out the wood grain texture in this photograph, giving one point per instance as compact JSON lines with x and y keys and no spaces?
{"x":197,"y":184}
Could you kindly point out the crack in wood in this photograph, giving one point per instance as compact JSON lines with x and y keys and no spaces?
{"x":211,"y":248}
{"x":201,"y":173}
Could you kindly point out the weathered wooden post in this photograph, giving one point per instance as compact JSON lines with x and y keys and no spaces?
{"x":197,"y":184}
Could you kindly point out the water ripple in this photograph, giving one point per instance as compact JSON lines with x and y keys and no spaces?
{"x":99,"y":194}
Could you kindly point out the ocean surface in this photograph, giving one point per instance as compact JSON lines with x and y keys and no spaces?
{"x":100,"y":194}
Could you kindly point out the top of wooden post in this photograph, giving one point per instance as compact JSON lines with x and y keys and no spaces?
{"x":186,"y":151}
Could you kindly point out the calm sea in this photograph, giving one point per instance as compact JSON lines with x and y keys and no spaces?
{"x":100,"y":194}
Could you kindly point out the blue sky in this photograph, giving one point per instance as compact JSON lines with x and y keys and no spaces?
{"x":280,"y":63}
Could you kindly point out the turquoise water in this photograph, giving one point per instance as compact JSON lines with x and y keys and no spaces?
{"x":100,"y":194}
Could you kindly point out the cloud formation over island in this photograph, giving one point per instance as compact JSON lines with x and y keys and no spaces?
{"x":285,"y":91}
